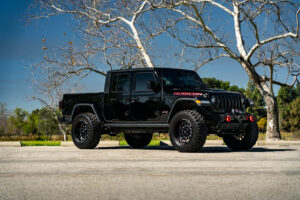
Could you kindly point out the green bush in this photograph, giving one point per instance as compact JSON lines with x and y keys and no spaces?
{"x":40,"y":143}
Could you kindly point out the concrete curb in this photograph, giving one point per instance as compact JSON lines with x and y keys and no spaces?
{"x":10,"y":144}
{"x":259,"y":142}
{"x":101,"y":144}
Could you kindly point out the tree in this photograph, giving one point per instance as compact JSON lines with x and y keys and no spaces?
{"x":32,"y":122}
{"x":3,"y":119}
{"x":294,"y":114}
{"x":272,"y":45}
{"x":18,"y":120}
{"x":112,"y":23}
{"x":218,"y":84}
{"x":48,"y":124}
{"x":48,"y":91}
{"x":285,"y":96}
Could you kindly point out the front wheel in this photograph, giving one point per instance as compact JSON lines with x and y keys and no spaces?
{"x":188,"y":131}
{"x":86,"y":131}
{"x":138,"y":140}
{"x":243,"y":141}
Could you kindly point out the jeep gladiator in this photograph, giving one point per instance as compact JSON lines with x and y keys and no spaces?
{"x":139,"y":102}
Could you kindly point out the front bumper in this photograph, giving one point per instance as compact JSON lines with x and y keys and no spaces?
{"x":237,"y":123}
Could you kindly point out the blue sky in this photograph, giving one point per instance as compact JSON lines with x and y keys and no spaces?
{"x":20,"y":47}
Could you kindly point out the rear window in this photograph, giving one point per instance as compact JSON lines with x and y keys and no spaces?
{"x":120,"y":83}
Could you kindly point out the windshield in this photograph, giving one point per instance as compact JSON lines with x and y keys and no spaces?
{"x":181,"y":79}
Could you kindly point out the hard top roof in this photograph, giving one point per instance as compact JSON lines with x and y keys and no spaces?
{"x":147,"y":69}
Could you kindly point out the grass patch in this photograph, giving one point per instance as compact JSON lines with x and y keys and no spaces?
{"x":152,"y":143}
{"x":40,"y":143}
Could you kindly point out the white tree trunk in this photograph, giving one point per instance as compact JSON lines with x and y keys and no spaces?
{"x":273,"y":131}
{"x":62,"y":131}
{"x":140,"y":46}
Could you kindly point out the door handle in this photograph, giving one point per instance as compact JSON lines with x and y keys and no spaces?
{"x":134,"y":99}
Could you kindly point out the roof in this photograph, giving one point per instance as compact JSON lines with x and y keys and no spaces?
{"x":146,"y":69}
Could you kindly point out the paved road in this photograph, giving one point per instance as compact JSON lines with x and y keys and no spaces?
{"x":267,"y":172}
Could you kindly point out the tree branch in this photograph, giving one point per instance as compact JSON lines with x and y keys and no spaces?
{"x":263,"y":42}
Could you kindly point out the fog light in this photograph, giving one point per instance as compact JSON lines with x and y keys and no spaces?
{"x":227,"y":118}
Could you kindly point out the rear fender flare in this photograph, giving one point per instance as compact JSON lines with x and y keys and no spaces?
{"x":81,"y":105}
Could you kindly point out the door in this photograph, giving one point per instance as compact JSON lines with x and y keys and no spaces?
{"x":118,"y":99}
{"x":145,"y":102}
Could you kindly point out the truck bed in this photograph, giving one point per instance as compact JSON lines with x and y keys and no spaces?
{"x":69,"y":100}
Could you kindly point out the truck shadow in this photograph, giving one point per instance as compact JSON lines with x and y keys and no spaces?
{"x":205,"y":149}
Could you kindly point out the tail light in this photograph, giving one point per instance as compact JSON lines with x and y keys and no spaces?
{"x":227,"y":118}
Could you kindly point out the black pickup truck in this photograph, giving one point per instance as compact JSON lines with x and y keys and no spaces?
{"x":139,"y":102}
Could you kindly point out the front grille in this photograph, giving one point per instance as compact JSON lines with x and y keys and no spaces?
{"x":226,"y":103}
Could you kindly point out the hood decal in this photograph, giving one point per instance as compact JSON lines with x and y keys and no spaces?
{"x":188,"y":93}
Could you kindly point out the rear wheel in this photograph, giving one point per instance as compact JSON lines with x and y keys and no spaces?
{"x":138,"y":140}
{"x":243,"y":141}
{"x":188,"y":131}
{"x":86,"y":131}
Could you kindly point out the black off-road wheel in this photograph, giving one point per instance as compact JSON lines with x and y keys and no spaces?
{"x":243,"y":141}
{"x":138,"y":140}
{"x":188,"y":131}
{"x":86,"y":131}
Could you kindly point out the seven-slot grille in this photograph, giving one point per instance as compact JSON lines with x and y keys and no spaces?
{"x":228,"y":102}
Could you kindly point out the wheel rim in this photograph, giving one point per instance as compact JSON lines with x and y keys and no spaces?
{"x":185,"y":131}
{"x":239,"y":137}
{"x":81,"y":131}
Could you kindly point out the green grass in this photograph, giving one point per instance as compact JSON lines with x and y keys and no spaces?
{"x":40,"y":143}
{"x":152,"y":143}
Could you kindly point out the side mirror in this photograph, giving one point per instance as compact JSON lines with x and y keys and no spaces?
{"x":152,"y":85}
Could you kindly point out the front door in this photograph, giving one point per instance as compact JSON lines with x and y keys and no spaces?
{"x":118,"y":99}
{"x":145,"y":103}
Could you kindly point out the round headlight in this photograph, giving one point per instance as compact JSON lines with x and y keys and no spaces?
{"x":243,"y":100}
{"x":213,"y":99}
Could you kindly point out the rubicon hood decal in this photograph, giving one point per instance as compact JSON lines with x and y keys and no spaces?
{"x":188,"y":93}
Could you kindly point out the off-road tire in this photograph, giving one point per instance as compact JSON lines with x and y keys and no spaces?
{"x":247,"y":142}
{"x":198,"y":127}
{"x":93,"y":131}
{"x":136,"y":140}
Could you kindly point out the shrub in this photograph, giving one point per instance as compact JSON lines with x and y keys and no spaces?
{"x":262,"y":124}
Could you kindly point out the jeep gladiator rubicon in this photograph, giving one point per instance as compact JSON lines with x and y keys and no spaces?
{"x":139,"y":102}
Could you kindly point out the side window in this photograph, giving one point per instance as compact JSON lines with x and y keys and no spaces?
{"x":120,"y":83}
{"x":141,"y":80}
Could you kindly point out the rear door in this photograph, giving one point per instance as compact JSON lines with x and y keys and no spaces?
{"x":145,"y":103}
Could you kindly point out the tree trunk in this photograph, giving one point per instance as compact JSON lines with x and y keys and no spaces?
{"x":273,"y":131}
{"x":140,"y":46}
{"x":62,"y":131}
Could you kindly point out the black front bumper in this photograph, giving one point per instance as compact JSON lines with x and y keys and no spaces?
{"x":237,"y":124}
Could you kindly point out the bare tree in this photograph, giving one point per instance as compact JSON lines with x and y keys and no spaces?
{"x":47,"y":84}
{"x":262,"y":30}
{"x":113,"y":22}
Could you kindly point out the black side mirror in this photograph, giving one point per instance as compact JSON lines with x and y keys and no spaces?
{"x":152,"y":85}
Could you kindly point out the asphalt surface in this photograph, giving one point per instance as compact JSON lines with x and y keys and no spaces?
{"x":265,"y":172}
